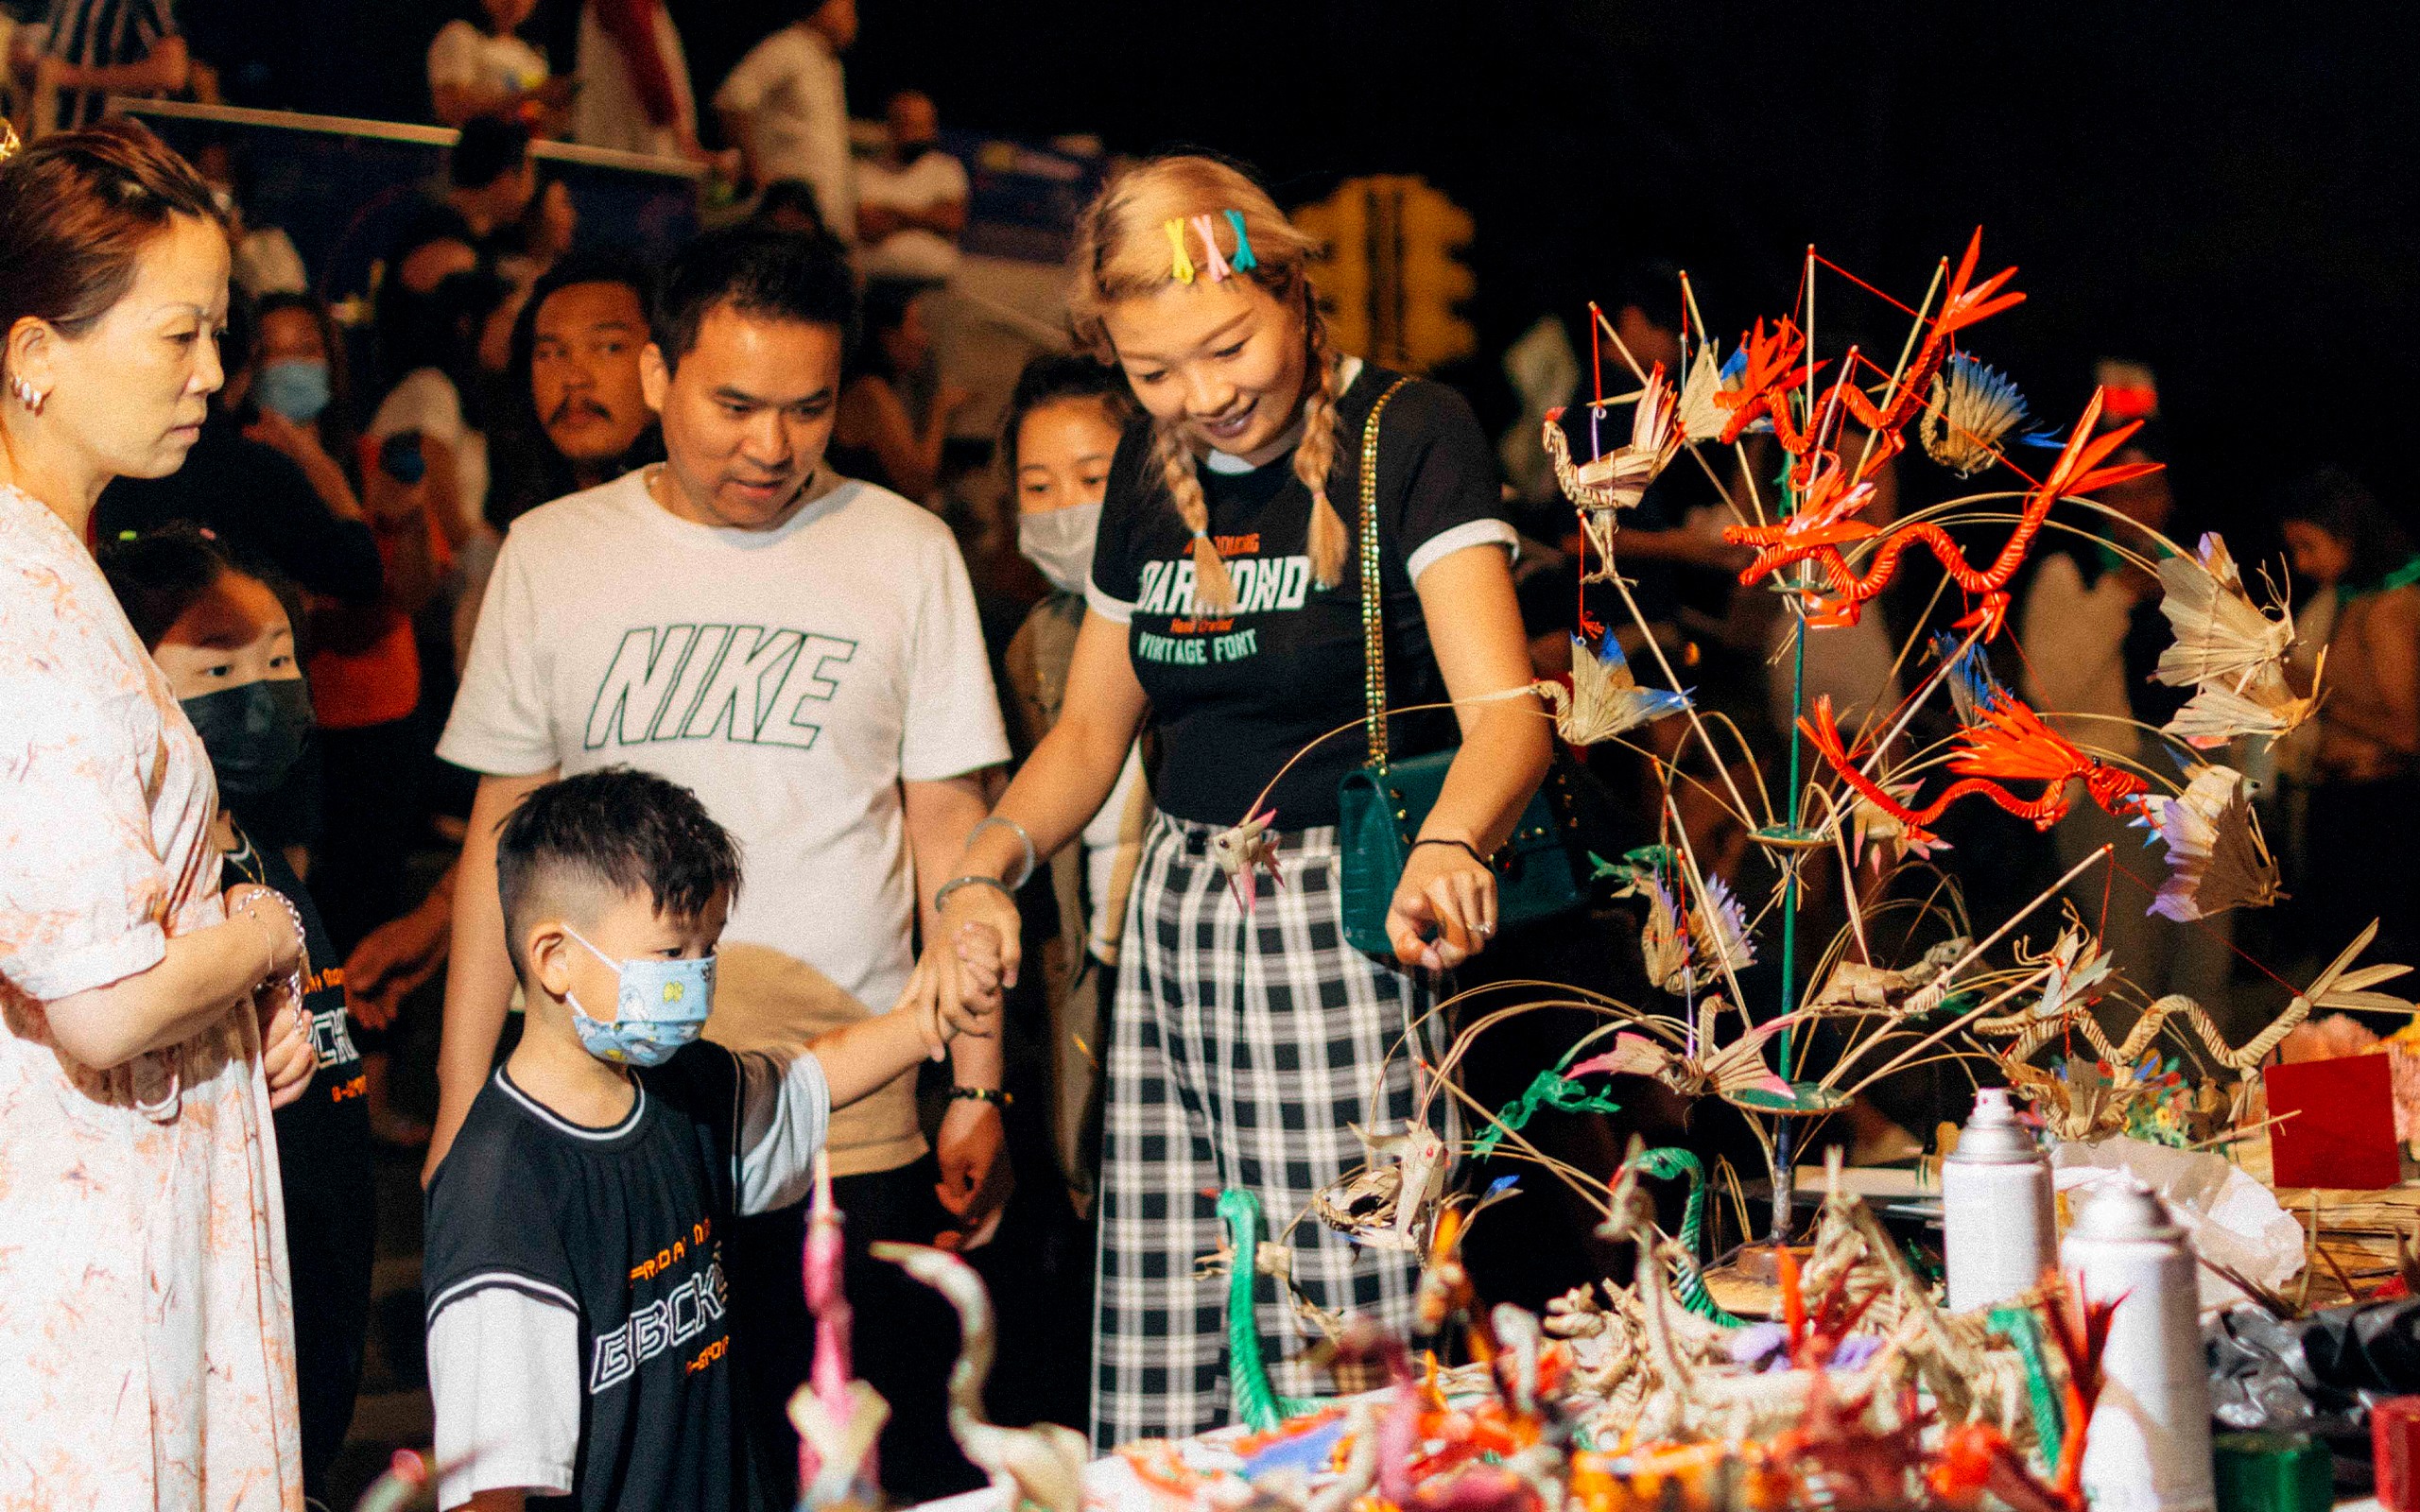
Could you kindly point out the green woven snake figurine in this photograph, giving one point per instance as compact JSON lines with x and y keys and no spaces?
{"x":1250,"y":1398}
{"x":1690,"y":1283}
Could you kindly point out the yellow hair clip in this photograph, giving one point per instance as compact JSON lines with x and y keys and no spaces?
{"x":1181,"y":265}
{"x":1212,"y":263}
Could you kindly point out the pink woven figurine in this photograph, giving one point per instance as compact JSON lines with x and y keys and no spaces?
{"x":838,"y":1418}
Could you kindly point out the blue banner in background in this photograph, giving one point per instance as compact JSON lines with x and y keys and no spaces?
{"x":342,"y":188}
{"x":1023,"y":200}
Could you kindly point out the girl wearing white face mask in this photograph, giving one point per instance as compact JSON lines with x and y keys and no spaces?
{"x":1057,"y":437}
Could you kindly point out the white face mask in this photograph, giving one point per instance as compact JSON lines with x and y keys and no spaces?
{"x":1060,"y":541}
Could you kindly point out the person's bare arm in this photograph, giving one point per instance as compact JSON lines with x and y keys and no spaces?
{"x":299,"y":444}
{"x":877,"y":223}
{"x":496,"y":1499}
{"x":865,"y":1056}
{"x":392,"y":960}
{"x":456,"y":104}
{"x":2393,"y":643}
{"x":939,"y":815}
{"x":878,"y":421}
{"x":163,"y":71}
{"x":479,"y":978}
{"x":1682,"y":544}
{"x":944,"y":217}
{"x":739,"y":129}
{"x":398,"y":516}
{"x":972,"y":1142}
{"x":1475,"y":628}
{"x":1062,"y":785}
{"x":204,"y":976}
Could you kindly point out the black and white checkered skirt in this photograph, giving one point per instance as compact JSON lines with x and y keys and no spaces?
{"x":1241,"y":1046}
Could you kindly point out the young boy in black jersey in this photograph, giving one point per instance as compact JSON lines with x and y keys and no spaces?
{"x":578,"y":1345}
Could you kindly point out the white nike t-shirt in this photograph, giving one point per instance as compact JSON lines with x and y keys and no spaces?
{"x":791,"y":678}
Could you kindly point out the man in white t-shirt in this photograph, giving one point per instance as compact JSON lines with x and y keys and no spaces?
{"x":911,"y":202}
{"x":785,"y":106}
{"x":802,"y":652}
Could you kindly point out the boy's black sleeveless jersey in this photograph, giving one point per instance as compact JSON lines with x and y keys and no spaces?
{"x":625,"y":1227}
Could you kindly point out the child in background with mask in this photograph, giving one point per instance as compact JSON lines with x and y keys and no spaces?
{"x":1057,"y":437}
{"x":224,"y":639}
{"x":577,"y":1342}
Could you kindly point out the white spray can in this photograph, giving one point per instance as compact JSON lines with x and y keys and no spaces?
{"x":2149,"y":1448}
{"x":1999,"y":1229}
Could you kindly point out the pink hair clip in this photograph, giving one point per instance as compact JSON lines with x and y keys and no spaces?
{"x":1213,"y":262}
{"x":1181,"y":264}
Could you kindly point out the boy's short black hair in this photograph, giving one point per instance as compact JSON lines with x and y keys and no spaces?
{"x":757,"y":270}
{"x":617,"y":829}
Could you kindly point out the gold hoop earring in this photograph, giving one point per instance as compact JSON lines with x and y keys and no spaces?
{"x":27,"y":394}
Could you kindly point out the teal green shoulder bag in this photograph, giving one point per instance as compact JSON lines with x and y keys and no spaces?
{"x":1382,"y":805}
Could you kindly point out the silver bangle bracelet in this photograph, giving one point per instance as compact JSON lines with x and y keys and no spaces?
{"x":1024,"y":871}
{"x":972,"y":879}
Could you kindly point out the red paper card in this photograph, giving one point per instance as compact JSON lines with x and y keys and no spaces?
{"x":2343,"y":1131}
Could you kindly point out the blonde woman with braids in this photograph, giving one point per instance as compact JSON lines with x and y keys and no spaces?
{"x":1226,"y":607}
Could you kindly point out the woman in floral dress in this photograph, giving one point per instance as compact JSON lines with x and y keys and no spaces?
{"x":146,"y":1023}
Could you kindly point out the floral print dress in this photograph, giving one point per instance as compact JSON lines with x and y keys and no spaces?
{"x":146,"y":1333}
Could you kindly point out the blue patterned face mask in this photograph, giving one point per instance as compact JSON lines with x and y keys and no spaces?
{"x":660,"y":1006}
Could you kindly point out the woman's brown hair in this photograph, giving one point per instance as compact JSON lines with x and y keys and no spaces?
{"x":1122,"y":251}
{"x":76,"y":209}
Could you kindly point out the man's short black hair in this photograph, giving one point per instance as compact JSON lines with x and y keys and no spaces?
{"x":615,"y":829}
{"x":759,"y":272}
{"x":489,"y":147}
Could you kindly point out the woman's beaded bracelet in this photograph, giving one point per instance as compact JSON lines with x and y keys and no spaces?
{"x":982,"y":1094}
{"x":301,"y":949}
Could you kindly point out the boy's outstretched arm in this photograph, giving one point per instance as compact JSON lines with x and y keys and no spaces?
{"x":862,"y":1057}
{"x":786,"y":1096}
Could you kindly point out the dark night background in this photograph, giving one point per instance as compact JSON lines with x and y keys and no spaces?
{"x":2227,"y":192}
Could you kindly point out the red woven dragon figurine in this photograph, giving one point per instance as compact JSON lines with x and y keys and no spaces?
{"x":1826,"y":521}
{"x":2009,"y":742}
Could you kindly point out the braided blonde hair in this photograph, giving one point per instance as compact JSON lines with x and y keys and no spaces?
{"x":1122,"y":251}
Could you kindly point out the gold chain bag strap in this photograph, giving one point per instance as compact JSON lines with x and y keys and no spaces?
{"x":1382,"y":805}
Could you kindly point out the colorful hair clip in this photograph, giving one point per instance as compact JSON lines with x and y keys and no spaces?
{"x":1213,"y":262}
{"x":1243,"y":260}
{"x":1181,"y":264}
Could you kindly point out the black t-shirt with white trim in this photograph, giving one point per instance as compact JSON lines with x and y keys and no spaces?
{"x":624,"y":1227}
{"x":1236,"y":696}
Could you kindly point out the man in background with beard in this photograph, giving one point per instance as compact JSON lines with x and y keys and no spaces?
{"x":578,"y":419}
